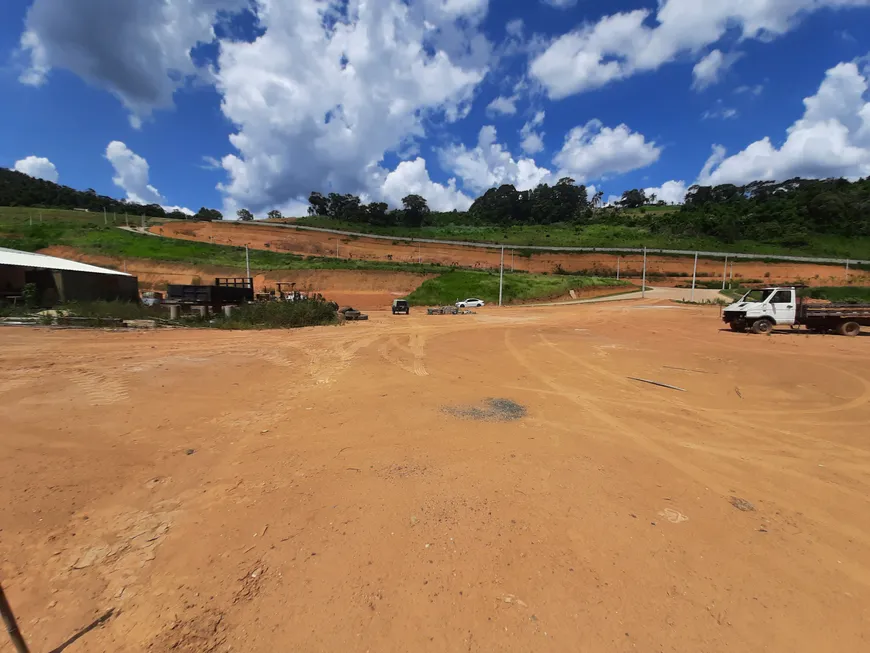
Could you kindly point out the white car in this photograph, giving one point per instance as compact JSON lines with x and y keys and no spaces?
{"x":470,"y":303}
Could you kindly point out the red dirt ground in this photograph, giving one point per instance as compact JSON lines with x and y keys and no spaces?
{"x":306,"y":491}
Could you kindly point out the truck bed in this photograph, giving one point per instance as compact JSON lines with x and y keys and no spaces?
{"x":840,"y":310}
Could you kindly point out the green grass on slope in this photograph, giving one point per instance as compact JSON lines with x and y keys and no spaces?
{"x":602,"y":235}
{"x":849,"y":294}
{"x":462,"y":284}
{"x":92,"y":237}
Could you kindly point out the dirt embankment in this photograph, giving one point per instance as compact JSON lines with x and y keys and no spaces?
{"x":364,"y":289}
{"x":675,"y":269}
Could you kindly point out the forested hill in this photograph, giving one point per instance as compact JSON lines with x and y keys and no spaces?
{"x":790,"y":214}
{"x":18,"y":189}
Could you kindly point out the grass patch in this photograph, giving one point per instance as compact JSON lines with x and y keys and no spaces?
{"x":279,"y":315}
{"x":605,"y":235}
{"x":86,"y":233}
{"x":848,"y":294}
{"x":462,"y":284}
{"x":116,"y":310}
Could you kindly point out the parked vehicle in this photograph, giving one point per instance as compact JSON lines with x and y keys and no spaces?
{"x":351,"y":314}
{"x":152,"y":298}
{"x":760,"y":310}
{"x":470,"y":303}
{"x":401,"y":306}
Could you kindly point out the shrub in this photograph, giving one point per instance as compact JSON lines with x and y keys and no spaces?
{"x":279,"y":315}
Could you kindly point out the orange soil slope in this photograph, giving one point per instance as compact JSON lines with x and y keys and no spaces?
{"x":309,"y":243}
{"x":364,"y":289}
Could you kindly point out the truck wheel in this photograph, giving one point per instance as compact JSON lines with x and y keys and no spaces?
{"x":850,"y":329}
{"x":762,"y":326}
{"x":739,"y":327}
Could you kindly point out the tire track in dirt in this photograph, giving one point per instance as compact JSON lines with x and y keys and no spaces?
{"x":616,"y":426}
{"x":698,"y":412}
{"x":705,"y":478}
{"x":101,"y":390}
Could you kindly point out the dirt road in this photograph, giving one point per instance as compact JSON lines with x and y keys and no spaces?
{"x":330,"y":490}
{"x":667,"y":269}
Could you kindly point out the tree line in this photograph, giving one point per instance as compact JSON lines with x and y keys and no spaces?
{"x":788,"y":213}
{"x":19,"y":189}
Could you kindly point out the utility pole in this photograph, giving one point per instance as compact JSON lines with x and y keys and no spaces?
{"x":847,"y":270}
{"x":11,"y":625}
{"x":617,"y":268}
{"x":501,"y":277}
{"x":643,"y":283}
{"x":126,"y":219}
{"x":247,"y":262}
{"x":105,"y":219}
{"x":512,"y":260}
{"x":694,"y":276}
{"x":724,"y":272}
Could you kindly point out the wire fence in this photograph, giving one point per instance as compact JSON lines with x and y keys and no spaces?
{"x":608,"y":250}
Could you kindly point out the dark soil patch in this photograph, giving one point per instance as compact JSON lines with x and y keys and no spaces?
{"x":492,"y":410}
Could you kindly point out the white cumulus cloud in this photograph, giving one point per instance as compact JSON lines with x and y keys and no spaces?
{"x":709,"y":70}
{"x":490,"y":164}
{"x":671,"y":192}
{"x":503,"y":105}
{"x":131,"y":174}
{"x":139,"y":50}
{"x":594,"y":151}
{"x":412,"y":177}
{"x":832,"y":139}
{"x":623,"y":44}
{"x":38,"y":167}
{"x":320,"y":97}
{"x":532,"y":138}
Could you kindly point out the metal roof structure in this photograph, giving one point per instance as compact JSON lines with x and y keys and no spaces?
{"x":42,"y":261}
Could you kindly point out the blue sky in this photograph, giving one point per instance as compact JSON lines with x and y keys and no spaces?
{"x":232,"y":103}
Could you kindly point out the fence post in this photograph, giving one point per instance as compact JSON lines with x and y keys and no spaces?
{"x":501,"y":277}
{"x":643,"y":282}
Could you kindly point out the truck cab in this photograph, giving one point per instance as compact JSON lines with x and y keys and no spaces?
{"x":761,"y":309}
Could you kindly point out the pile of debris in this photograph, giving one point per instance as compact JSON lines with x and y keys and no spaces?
{"x":448,"y":310}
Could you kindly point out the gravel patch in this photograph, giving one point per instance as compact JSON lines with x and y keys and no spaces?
{"x":492,"y":410}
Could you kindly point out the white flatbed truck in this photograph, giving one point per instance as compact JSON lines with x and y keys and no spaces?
{"x":760,"y":310}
